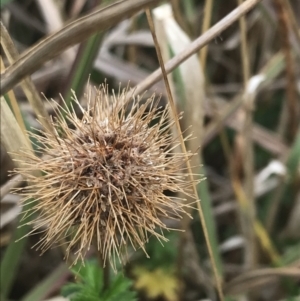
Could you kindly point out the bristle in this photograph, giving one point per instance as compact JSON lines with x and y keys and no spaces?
{"x":104,"y":178}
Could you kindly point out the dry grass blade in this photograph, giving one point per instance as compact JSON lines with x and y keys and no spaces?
{"x":292,"y":163}
{"x":205,"y":26}
{"x":13,"y":102}
{"x":251,"y":280}
{"x":292,"y":19}
{"x":13,"y":140}
{"x":189,"y":169}
{"x":260,"y":231}
{"x":191,"y":89}
{"x":196,"y":45}
{"x":265,"y":138}
{"x":47,"y":284}
{"x":224,"y":114}
{"x":54,"y":22}
{"x":51,"y":14}
{"x":292,"y":228}
{"x":12,"y":183}
{"x":9,"y":215}
{"x":71,"y":34}
{"x":260,"y":135}
{"x":247,"y":222}
{"x":292,"y":108}
{"x":12,"y":136}
{"x":27,"y":85}
{"x":16,"y":11}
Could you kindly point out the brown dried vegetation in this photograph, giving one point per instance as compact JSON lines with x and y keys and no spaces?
{"x":104,"y":177}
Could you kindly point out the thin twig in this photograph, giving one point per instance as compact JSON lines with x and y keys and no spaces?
{"x":291,"y":87}
{"x":292,"y":20}
{"x":248,"y":156}
{"x":175,"y":117}
{"x":196,"y":45}
{"x":205,"y":26}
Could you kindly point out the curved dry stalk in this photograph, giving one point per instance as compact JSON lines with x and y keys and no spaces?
{"x":73,"y":33}
{"x":58,"y":42}
{"x":27,"y":84}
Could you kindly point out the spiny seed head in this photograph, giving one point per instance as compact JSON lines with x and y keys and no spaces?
{"x":104,"y":176}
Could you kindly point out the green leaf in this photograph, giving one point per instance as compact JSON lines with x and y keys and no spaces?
{"x":71,"y":289}
{"x":89,"y":286}
{"x":83,"y":67}
{"x":119,"y":290}
{"x":161,"y":254}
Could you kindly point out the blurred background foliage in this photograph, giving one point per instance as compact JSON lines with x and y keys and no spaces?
{"x":241,"y":94}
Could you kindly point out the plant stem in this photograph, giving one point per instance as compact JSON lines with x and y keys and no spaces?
{"x":106,"y":270}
